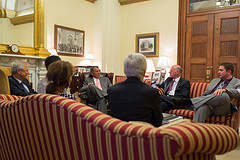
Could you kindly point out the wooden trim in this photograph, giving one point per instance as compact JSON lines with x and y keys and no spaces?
{"x":182,"y":34}
{"x":125,"y":2}
{"x":92,"y":1}
{"x":22,"y":19}
{"x":217,"y":10}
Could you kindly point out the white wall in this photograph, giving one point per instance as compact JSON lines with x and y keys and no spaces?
{"x":77,"y":14}
{"x":148,"y":17}
{"x":110,"y":29}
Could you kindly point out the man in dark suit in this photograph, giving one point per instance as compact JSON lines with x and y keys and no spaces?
{"x":95,"y":89}
{"x":132,"y":99}
{"x":174,"y":87}
{"x":19,"y":84}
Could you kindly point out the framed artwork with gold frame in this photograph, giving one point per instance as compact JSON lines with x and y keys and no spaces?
{"x":69,"y":41}
{"x":148,"y":44}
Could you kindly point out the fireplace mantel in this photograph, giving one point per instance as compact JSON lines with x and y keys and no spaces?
{"x":35,"y":65}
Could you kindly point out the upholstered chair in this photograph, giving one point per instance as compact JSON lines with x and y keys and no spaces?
{"x":4,"y":83}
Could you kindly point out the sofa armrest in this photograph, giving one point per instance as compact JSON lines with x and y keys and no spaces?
{"x":203,"y":138}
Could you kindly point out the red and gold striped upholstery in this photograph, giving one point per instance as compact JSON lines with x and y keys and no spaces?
{"x":196,"y":90}
{"x":46,"y":126}
{"x":119,"y":79}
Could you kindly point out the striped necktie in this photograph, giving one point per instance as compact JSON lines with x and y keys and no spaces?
{"x":170,"y":86}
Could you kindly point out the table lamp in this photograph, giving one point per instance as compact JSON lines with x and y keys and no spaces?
{"x":150,"y":69}
{"x":88,"y":58}
{"x":163,"y":62}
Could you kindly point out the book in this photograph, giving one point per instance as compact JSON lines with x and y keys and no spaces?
{"x":168,"y":118}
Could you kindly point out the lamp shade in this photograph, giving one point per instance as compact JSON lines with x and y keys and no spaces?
{"x":89,"y":57}
{"x":150,"y":66}
{"x":53,"y":51}
{"x":163,"y":62}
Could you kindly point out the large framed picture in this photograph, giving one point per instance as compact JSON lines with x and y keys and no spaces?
{"x":69,"y":41}
{"x":148,"y":44}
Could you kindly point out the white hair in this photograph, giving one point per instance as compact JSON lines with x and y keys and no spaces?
{"x":135,"y":65}
{"x":17,"y":64}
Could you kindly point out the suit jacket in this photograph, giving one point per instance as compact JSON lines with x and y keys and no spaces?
{"x":231,"y":87}
{"x":17,"y":89}
{"x":182,"y":88}
{"x":231,"y":91}
{"x":104,"y":81}
{"x":133,"y":100}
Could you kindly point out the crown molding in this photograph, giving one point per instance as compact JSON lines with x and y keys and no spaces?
{"x":92,"y":1}
{"x":125,"y":2}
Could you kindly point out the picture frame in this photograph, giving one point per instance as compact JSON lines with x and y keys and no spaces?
{"x":69,"y":41}
{"x":156,"y":77}
{"x":148,"y":44}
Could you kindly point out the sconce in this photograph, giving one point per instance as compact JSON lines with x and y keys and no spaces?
{"x":163,"y":62}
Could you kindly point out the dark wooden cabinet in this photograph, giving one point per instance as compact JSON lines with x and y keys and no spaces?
{"x":207,"y":39}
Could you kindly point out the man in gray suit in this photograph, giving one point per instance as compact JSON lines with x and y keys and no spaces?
{"x":216,"y":100}
{"x":95,"y":89}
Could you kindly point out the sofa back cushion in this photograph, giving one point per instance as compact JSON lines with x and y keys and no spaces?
{"x":197,"y":89}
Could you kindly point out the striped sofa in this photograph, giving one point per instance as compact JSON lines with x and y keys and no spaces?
{"x":196,"y":90}
{"x":46,"y":126}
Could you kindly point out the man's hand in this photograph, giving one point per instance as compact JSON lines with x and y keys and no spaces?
{"x":90,"y":83}
{"x":219,"y":92}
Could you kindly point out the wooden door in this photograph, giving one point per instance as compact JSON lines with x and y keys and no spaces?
{"x":199,"y":48}
{"x":226,"y":40}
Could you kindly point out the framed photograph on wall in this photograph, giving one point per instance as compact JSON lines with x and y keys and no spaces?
{"x":148,"y":44}
{"x":69,"y":41}
{"x":156,"y":77}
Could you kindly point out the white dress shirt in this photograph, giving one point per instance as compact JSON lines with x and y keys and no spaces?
{"x":172,"y":91}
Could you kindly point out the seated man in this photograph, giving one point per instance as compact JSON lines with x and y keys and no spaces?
{"x":216,"y":100}
{"x":43,"y":82}
{"x":132,"y":99}
{"x":19,"y":84}
{"x":95,"y":89}
{"x":174,"y":87}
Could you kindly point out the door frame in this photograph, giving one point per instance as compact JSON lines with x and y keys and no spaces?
{"x":183,"y":13}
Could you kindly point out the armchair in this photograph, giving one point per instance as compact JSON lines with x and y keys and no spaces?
{"x":77,"y":84}
{"x":4,"y":83}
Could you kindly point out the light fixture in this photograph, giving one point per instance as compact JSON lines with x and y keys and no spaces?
{"x":163,"y":63}
{"x":89,"y":56}
{"x":87,"y":59}
{"x":225,"y":3}
{"x":150,"y":69}
{"x":53,"y":52}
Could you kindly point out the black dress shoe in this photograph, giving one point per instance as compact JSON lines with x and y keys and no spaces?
{"x":190,"y":107}
{"x":234,"y":108}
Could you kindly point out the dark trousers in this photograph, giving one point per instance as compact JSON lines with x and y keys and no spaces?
{"x":167,"y":103}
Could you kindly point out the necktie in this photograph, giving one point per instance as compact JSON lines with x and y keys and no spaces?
{"x":170,"y":86}
{"x":220,"y":85}
{"x":24,"y":88}
{"x":98,"y":84}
